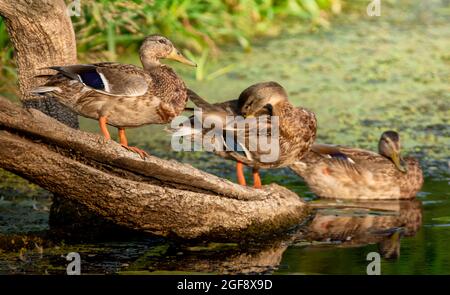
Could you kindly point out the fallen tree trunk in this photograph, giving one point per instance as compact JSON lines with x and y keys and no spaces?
{"x":161,"y":197}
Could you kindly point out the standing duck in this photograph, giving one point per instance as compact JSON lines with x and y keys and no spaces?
{"x":123,"y":95}
{"x":268,"y":101}
{"x":350,"y":173}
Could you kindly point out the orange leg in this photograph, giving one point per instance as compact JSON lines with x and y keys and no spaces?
{"x":103,"y":128}
{"x":122,"y":137}
{"x":124,"y":142}
{"x":256,"y":179}
{"x":240,"y":173}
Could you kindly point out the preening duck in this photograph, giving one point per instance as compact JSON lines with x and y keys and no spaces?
{"x":282,"y":133}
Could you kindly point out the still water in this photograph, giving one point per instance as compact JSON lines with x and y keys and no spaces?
{"x":361,"y":76}
{"x":412,"y":237}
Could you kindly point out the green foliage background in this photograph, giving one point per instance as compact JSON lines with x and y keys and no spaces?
{"x":108,"y":28}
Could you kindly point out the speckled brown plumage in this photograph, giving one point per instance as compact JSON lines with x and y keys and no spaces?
{"x":165,"y":96}
{"x":297,"y":132}
{"x":350,"y":173}
{"x":297,"y":126}
{"x":123,"y":95}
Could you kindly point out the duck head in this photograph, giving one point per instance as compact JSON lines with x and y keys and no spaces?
{"x":261,"y":99}
{"x":389,"y":146}
{"x":158,"y":47}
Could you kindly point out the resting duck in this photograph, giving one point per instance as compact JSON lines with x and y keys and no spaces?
{"x":296,"y":132}
{"x":123,"y":95}
{"x":350,"y":173}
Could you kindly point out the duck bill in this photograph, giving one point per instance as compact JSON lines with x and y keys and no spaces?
{"x":398,"y":162}
{"x":176,"y":55}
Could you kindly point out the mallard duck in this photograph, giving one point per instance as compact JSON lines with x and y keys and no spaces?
{"x":123,"y":95}
{"x":294,"y":136}
{"x":350,"y":173}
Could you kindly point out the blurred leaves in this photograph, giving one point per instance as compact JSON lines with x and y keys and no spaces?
{"x":192,"y":24}
{"x":108,"y":28}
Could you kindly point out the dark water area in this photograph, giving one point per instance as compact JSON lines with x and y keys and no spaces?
{"x":361,"y":76}
{"x":412,"y":237}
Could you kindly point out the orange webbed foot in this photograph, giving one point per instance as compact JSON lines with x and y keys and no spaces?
{"x":257,"y":186}
{"x":124,"y":142}
{"x":143,"y":154}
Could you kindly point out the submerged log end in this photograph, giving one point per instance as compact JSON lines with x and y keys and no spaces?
{"x":227,"y":219}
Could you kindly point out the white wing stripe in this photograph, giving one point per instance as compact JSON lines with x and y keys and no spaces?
{"x":105,"y":82}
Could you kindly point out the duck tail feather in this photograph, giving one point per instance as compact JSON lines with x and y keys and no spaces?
{"x":66,"y":71}
{"x":184,"y":131}
{"x":198,"y":100}
{"x":45,"y":89}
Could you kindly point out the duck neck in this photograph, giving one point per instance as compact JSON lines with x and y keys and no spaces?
{"x":279,"y":107}
{"x":150,"y":63}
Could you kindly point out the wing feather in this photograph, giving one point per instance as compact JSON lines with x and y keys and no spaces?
{"x":337,"y":156}
{"x":108,"y":78}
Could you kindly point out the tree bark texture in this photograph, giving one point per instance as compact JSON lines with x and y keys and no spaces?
{"x":165,"y":198}
{"x":42,"y":35}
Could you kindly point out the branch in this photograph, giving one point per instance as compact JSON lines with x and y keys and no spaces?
{"x":161,"y":197}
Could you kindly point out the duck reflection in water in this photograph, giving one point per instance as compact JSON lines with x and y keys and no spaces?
{"x":355,"y":224}
{"x":344,"y":225}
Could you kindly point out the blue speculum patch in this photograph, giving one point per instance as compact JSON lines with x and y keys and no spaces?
{"x":92,"y":79}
